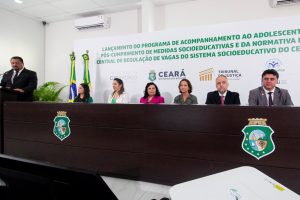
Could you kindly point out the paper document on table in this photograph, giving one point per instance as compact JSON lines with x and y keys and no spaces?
{"x":243,"y":183}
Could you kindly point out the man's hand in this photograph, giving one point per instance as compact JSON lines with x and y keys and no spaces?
{"x":19,"y":90}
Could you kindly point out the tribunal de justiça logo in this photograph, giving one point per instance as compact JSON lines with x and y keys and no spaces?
{"x":61,"y":127}
{"x":258,"y":138}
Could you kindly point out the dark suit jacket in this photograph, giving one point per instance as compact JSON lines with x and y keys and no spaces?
{"x":231,"y":98}
{"x":27,"y":80}
{"x":257,"y":97}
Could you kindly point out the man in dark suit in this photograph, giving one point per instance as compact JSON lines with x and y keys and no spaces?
{"x":19,"y":79}
{"x":222,"y":95}
{"x":268,"y":94}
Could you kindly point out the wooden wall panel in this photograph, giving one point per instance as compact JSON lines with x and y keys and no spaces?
{"x":166,"y":144}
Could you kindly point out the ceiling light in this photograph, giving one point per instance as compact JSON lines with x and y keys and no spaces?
{"x":18,"y":1}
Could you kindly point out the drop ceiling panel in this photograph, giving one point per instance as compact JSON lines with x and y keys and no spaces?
{"x":115,"y":2}
{"x":11,"y":5}
{"x":57,"y":10}
{"x":76,"y":5}
{"x":41,"y":11}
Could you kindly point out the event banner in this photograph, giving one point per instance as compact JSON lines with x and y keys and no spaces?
{"x":241,"y":51}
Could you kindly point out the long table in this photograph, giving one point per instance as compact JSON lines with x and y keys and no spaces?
{"x":165,"y":144}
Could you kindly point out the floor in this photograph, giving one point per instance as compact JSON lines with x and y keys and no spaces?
{"x":136,"y":190}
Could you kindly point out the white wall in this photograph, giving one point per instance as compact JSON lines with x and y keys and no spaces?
{"x":61,"y":35}
{"x":203,"y":12}
{"x":26,"y":38}
{"x":46,"y":49}
{"x":22,"y":37}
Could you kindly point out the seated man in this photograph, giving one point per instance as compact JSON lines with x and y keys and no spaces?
{"x":222,"y":95}
{"x":20,"y":79}
{"x":268,"y":94}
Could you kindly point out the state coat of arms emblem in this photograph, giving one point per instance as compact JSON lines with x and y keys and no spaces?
{"x":61,"y":125}
{"x":258,"y":138}
{"x":152,"y":75}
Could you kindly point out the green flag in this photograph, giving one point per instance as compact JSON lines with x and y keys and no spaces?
{"x":86,"y":73}
{"x":73,"y":89}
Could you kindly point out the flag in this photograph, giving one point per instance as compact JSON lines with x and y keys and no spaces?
{"x":73,"y":89}
{"x":86,"y":73}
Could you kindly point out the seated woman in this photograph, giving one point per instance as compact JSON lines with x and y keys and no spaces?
{"x":83,"y":94}
{"x":152,"y":94}
{"x":185,"y":98}
{"x":118,"y":95}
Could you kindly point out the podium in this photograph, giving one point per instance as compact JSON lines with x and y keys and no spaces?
{"x":5,"y":95}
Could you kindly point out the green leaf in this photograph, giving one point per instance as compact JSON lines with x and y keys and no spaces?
{"x":49,"y":91}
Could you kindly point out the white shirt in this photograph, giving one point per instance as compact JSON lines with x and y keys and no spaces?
{"x":224,"y":94}
{"x":123,"y":98}
{"x":267,"y":94}
{"x":15,"y":72}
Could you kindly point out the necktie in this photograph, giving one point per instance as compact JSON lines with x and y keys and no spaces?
{"x":15,"y":77}
{"x":270,"y":99}
{"x":222,"y":100}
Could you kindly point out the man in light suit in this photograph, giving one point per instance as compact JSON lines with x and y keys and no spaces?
{"x":222,"y":95}
{"x":268,"y":94}
{"x":19,"y":79}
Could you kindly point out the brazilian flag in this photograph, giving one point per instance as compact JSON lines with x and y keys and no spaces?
{"x":86,"y":73}
{"x":73,"y":89}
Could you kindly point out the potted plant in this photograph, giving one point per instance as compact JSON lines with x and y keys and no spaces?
{"x":49,"y":91}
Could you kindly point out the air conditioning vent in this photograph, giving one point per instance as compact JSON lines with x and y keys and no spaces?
{"x":279,"y":3}
{"x":99,"y":21}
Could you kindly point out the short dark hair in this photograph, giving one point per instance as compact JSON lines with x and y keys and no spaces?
{"x":270,"y":71}
{"x":189,"y":84}
{"x":120,"y":82}
{"x":146,"y":95}
{"x":17,"y":58}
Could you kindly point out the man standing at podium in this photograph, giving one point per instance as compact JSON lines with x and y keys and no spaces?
{"x":19,"y":79}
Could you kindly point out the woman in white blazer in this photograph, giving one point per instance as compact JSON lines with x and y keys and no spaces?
{"x":118,"y":95}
